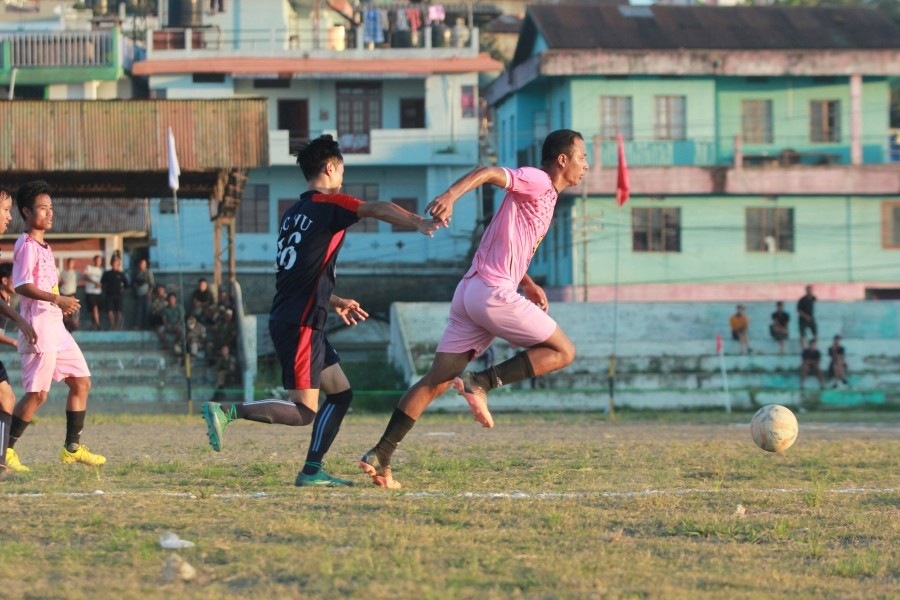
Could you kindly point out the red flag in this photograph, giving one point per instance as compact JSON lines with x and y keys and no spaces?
{"x":622,"y":185}
{"x":718,"y":343}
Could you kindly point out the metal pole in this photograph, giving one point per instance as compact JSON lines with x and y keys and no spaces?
{"x":184,"y":348}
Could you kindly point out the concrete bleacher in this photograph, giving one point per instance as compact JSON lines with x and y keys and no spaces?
{"x":130,"y":372}
{"x":665,"y":356}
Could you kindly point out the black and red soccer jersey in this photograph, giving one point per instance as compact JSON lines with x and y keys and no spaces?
{"x":309,"y":238}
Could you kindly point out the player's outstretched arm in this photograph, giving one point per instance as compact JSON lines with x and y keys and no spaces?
{"x":348,"y":310}
{"x":441,"y":208}
{"x":396,"y":215}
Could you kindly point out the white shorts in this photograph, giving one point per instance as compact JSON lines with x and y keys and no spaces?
{"x":479,"y":313}
{"x":38,"y":369}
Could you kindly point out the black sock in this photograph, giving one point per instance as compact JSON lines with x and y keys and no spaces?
{"x":325,"y":429}
{"x":396,"y":430}
{"x":5,"y":420}
{"x":282,"y":412}
{"x":517,"y":368}
{"x":16,"y":429}
{"x":74,"y":425}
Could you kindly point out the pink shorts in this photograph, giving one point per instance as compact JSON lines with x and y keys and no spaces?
{"x":479,"y":313}
{"x":39,"y":368}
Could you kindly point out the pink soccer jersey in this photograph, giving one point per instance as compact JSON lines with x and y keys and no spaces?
{"x":516,"y":229}
{"x":33,"y":263}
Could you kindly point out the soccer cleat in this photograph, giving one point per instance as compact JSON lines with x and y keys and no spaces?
{"x":476,"y":396}
{"x":320,"y":479}
{"x":81,"y":455}
{"x":381,"y":475}
{"x":216,"y":420}
{"x":12,"y":462}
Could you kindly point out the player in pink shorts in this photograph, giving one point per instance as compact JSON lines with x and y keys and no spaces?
{"x":54,"y":355}
{"x":487,"y":302}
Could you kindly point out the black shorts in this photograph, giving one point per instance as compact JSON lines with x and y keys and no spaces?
{"x":303,"y":352}
{"x":4,"y":376}
{"x":114,"y":303}
{"x":804,"y":325}
{"x":92,"y":301}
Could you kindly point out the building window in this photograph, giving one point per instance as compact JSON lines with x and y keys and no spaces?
{"x":410,"y":204}
{"x":253,"y":213}
{"x":770,"y":229}
{"x":670,"y":118}
{"x":208,"y":78}
{"x":656,"y":229}
{"x":890,"y":224}
{"x":293,"y":116}
{"x":824,"y":121}
{"x":358,"y":113}
{"x":412,"y":113}
{"x":615,"y":117}
{"x":756,"y":121}
{"x":369,"y":193}
{"x":467,"y":101}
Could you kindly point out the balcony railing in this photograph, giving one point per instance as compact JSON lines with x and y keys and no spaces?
{"x":62,"y":49}
{"x":338,"y":38}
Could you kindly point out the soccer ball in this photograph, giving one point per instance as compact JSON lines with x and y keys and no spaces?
{"x":774,"y":428}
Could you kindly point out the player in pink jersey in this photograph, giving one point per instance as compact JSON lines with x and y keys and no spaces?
{"x":8,"y":460}
{"x":54,"y":355}
{"x":487,"y":303}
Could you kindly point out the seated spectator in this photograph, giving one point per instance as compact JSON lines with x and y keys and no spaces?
{"x":779,"y":326}
{"x":158,"y":302}
{"x":225,"y":299}
{"x":811,"y":358}
{"x":222,"y":333}
{"x":837,"y":368}
{"x":740,"y":324}
{"x":172,"y":317}
{"x":195,"y":338}
{"x":201,"y":298}
{"x":227,"y":372}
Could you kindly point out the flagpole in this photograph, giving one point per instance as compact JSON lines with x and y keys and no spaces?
{"x":174,"y":172}
{"x":623,"y":188}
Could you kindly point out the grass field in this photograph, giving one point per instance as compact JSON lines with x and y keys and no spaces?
{"x":544,"y":506}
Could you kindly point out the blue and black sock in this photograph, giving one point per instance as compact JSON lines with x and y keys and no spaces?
{"x":325,"y":428}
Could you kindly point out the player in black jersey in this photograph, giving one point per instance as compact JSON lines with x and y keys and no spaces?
{"x":310,"y":236}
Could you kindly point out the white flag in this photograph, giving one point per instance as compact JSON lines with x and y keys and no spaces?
{"x":174,"y":169}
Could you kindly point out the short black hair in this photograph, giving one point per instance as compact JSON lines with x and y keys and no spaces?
{"x":315,"y":154}
{"x":28,"y":193}
{"x":5,"y":192}
{"x":5,"y":270}
{"x":556,"y":143}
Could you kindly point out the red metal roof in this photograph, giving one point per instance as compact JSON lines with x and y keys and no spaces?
{"x":343,"y":67}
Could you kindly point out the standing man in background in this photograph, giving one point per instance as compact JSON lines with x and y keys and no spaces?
{"x":93,"y":297}
{"x":68,"y":286}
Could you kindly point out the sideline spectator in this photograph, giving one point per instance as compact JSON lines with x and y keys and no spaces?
{"x":172,"y":317}
{"x":141,"y":286}
{"x":201,"y":298}
{"x":158,"y":302}
{"x":778,"y":329}
{"x":225,"y":299}
{"x":837,"y":368}
{"x":811,"y":359}
{"x":93,"y":273}
{"x":114,"y":282}
{"x":224,"y":333}
{"x":806,"y":318}
{"x":195,"y":333}
{"x":68,"y":286}
{"x":740,"y":324}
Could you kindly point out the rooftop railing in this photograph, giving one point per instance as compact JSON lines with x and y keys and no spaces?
{"x":61,"y":49}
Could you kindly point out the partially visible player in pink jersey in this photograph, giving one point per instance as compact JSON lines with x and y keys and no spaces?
{"x":487,"y":303}
{"x":54,"y":355}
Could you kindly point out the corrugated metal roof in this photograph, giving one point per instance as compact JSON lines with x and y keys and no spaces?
{"x":118,"y":148}
{"x":92,"y":216}
{"x":345,"y":67}
{"x":662,"y":27}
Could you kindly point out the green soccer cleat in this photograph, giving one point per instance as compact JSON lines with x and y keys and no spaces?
{"x":12,"y":462}
{"x":320,"y":479}
{"x":380,"y":474}
{"x":81,"y":455}
{"x":216,"y":420}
